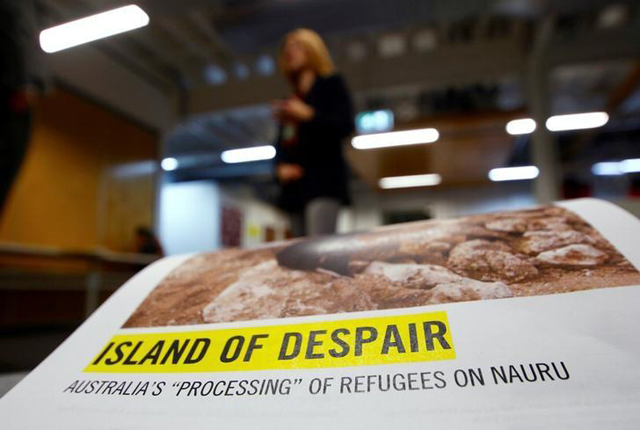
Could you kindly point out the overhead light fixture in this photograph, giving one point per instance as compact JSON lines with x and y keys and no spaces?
{"x":215,"y":75}
{"x":427,"y":180}
{"x":577,"y":121}
{"x":521,"y":126}
{"x":243,"y":155}
{"x":606,"y":168}
{"x":513,"y":173}
{"x":265,"y":65}
{"x":616,"y":168}
{"x":241,"y":71}
{"x":395,"y":138}
{"x":169,"y":164}
{"x":377,"y":121}
{"x":92,"y":28}
{"x":631,"y":165}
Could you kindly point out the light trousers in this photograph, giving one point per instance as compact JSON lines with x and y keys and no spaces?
{"x":320,"y":217}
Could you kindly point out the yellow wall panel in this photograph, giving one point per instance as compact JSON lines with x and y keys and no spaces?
{"x":69,"y":193}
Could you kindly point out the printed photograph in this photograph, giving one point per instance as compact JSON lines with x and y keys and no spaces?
{"x":545,"y":250}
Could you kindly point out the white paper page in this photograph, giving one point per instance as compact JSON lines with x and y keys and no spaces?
{"x":578,"y":349}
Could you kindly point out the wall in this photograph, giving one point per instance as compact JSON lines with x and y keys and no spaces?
{"x":256,"y":216}
{"x":189,"y":217}
{"x":190,"y":211}
{"x":66,"y":194}
{"x":368,"y":207}
{"x":90,"y":70}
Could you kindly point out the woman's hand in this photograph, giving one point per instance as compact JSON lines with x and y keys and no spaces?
{"x":293,"y":109}
{"x":287,"y":172}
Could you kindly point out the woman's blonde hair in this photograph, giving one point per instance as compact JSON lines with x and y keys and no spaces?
{"x":317,"y":51}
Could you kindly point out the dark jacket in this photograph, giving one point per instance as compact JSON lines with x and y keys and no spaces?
{"x":319,"y":146}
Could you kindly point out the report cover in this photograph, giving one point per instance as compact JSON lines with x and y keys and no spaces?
{"x":521,"y":319}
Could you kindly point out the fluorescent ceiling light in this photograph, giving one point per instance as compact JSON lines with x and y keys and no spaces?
{"x":577,"y":121}
{"x":395,"y":138}
{"x":93,"y":27}
{"x":243,"y":155}
{"x":410,"y":181}
{"x":521,"y":126}
{"x":377,"y":121}
{"x":606,"y":168}
{"x":631,"y":165}
{"x":616,"y":168}
{"x":513,"y":173}
{"x":169,"y":164}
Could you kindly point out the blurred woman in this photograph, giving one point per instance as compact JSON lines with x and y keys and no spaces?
{"x":313,"y":121}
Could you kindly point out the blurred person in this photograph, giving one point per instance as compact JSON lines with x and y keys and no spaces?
{"x":21,"y":83}
{"x":147,"y":242}
{"x":313,"y":122}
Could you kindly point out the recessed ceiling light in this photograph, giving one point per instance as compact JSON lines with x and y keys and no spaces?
{"x":521,"y":126}
{"x":244,"y":155}
{"x":513,"y":173}
{"x":395,"y":138}
{"x":426,"y":180}
{"x":631,"y":165}
{"x":169,"y":164}
{"x":92,"y":28}
{"x":616,"y":168}
{"x":577,"y":121}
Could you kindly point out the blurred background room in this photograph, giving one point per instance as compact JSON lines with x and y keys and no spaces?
{"x":133,"y":139}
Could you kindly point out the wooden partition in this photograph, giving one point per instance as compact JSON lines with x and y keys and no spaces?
{"x":86,"y":183}
{"x":87,"y":180}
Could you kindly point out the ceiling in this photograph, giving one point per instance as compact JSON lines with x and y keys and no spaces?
{"x":462,"y":65}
